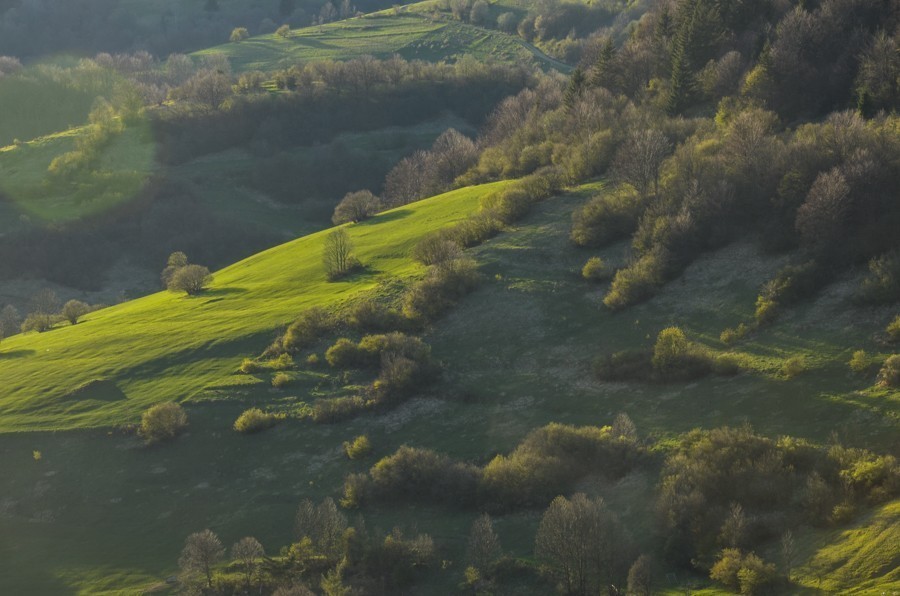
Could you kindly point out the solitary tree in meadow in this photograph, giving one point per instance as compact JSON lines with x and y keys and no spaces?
{"x":239,"y":34}
{"x":190,"y":279}
{"x":73,"y":310}
{"x":337,"y":255}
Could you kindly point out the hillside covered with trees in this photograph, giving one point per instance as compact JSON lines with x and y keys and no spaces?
{"x":451,"y":297}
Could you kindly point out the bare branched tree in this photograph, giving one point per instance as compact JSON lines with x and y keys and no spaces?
{"x":202,"y":550}
{"x":639,"y":159}
{"x":337,"y":254}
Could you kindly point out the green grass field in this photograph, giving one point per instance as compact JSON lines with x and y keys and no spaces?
{"x":409,"y":34}
{"x":121,"y":172}
{"x":516,"y":354}
{"x":169,"y":346}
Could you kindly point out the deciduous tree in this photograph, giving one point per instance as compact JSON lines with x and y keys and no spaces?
{"x":202,"y":550}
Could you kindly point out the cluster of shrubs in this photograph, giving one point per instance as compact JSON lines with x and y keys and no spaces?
{"x":328,"y":553}
{"x":789,"y":286}
{"x":45,"y":313}
{"x":673,"y":358}
{"x":743,"y":572}
{"x":732,"y":488}
{"x":607,"y":218}
{"x":404,"y":363}
{"x":549,"y":460}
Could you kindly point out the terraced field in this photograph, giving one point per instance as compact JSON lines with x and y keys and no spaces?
{"x":411,"y":35}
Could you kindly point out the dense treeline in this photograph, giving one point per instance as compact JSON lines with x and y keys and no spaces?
{"x":323,"y":99}
{"x":722,"y":494}
{"x":691,"y":119}
{"x":212,"y":111}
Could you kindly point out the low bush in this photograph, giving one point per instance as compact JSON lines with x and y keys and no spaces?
{"x":790,"y":285}
{"x":436,"y":249}
{"x":413,"y":474}
{"x":368,"y":315}
{"x":637,"y":282}
{"x":255,"y":420}
{"x":281,"y":380}
{"x":893,"y":329}
{"x":309,"y":327}
{"x":889,"y":375}
{"x":473,"y":230}
{"x":793,"y":366}
{"x":249,"y":366}
{"x":595,"y":270}
{"x":359,"y":448}
{"x":282,"y":362}
{"x":745,"y":573}
{"x":550,"y":460}
{"x":162,"y":422}
{"x":345,"y":354}
{"x":674,"y":357}
{"x":732,"y":335}
{"x":607,"y":218}
{"x":882,"y":284}
{"x":860,"y":362}
{"x":441,"y":288}
{"x":337,"y":409}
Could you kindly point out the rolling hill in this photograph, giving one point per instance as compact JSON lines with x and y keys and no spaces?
{"x":410,"y":34}
{"x":539,"y":327}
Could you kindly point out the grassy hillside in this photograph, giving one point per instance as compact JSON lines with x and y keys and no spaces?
{"x":118,"y":176}
{"x":411,"y":35}
{"x":861,"y":559}
{"x":517,"y":354}
{"x":174,"y":346}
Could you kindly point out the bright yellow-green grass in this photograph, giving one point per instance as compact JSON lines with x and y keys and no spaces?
{"x":411,"y":35}
{"x":169,"y":346}
{"x":861,"y":559}
{"x":118,"y":176}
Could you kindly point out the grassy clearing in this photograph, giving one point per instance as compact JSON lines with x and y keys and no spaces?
{"x":35,"y":104}
{"x":122,"y":169}
{"x":411,"y":35}
{"x":170,"y":347}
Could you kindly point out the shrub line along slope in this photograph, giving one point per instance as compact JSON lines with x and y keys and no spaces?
{"x":170,"y":347}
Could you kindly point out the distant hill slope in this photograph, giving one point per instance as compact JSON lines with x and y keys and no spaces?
{"x":412,"y":35}
{"x":168,"y":346}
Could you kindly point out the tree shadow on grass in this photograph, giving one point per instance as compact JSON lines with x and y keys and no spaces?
{"x":13,"y":354}
{"x":97,"y":390}
{"x":385,"y":217}
{"x":357,"y":274}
